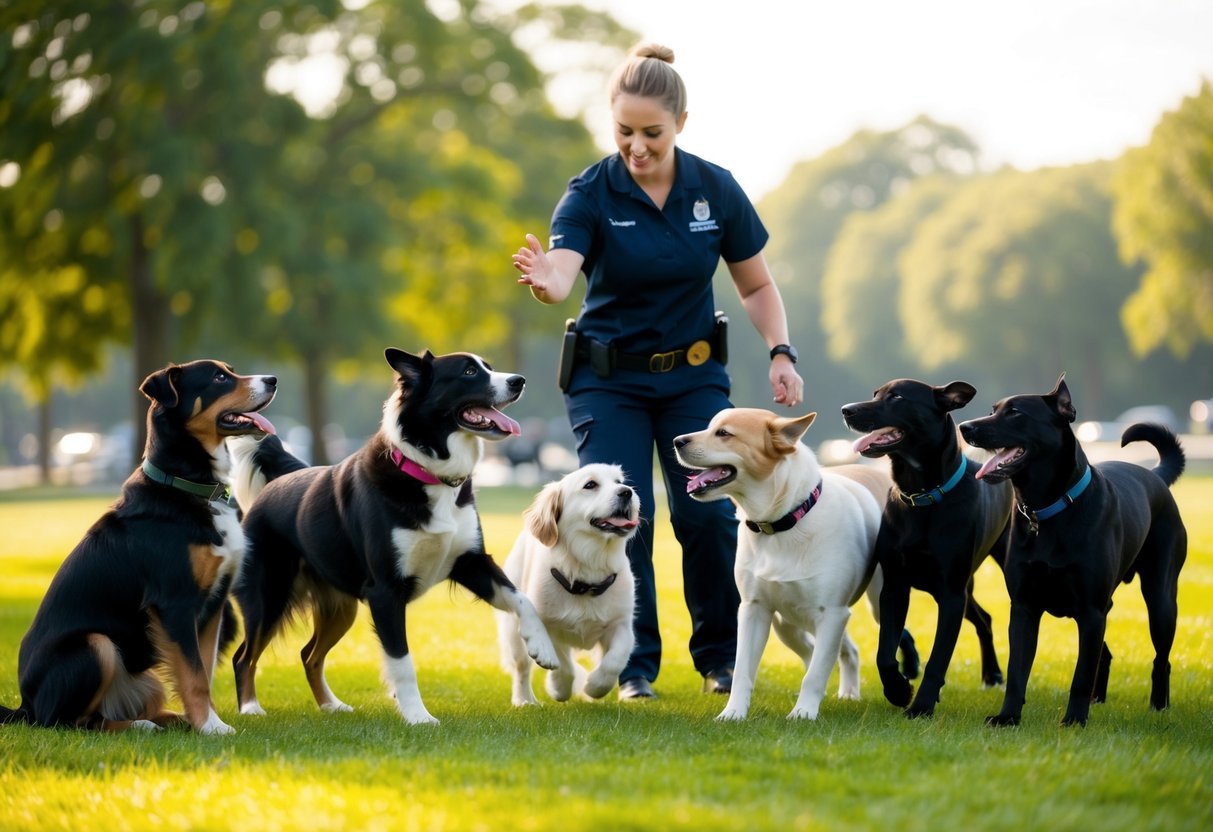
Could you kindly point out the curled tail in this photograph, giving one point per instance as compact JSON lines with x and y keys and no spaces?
{"x":8,"y":715}
{"x":257,"y":461}
{"x":1171,"y":458}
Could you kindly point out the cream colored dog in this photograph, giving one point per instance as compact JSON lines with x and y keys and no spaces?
{"x":804,"y":549}
{"x":570,"y":560}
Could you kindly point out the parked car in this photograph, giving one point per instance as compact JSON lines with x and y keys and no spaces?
{"x":1111,"y":431}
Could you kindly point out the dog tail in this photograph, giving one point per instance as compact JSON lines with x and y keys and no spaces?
{"x":1171,"y":458}
{"x":8,"y":715}
{"x":255,"y":462}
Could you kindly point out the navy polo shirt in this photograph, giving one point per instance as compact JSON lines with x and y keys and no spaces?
{"x":649,"y":271}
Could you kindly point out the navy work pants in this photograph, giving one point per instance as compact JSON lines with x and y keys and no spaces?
{"x":620,"y":420}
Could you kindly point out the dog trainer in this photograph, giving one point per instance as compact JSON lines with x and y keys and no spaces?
{"x":645,"y":360}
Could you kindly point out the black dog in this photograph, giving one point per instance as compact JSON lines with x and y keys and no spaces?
{"x":939,"y":524}
{"x":383,"y":526}
{"x":146,"y":590}
{"x":1079,"y":530}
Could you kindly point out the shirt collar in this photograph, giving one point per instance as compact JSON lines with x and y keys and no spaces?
{"x":686,"y":174}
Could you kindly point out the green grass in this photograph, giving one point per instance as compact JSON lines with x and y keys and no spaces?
{"x":662,"y":764}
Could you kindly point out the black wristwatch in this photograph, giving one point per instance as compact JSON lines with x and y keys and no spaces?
{"x":784,"y":349}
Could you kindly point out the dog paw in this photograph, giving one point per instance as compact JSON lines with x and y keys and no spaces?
{"x":144,"y":725}
{"x":540,"y":650}
{"x":421,"y":717}
{"x":215,"y":725}
{"x":899,"y":692}
{"x":1073,"y":719}
{"x":730,"y":714}
{"x":916,"y":711}
{"x":992,"y":680}
{"x":252,"y":709}
{"x":1002,"y":720}
{"x":336,"y":707}
{"x":598,"y":688}
{"x":523,"y":702}
{"x":803,"y":712}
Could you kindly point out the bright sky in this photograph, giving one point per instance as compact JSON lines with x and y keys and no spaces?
{"x":1035,"y":82}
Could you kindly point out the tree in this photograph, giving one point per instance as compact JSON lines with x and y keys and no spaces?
{"x":1017,"y":294}
{"x":131,"y":145}
{"x":166,"y":149}
{"x":1164,"y":218}
{"x":861,"y":285}
{"x":806,"y":212}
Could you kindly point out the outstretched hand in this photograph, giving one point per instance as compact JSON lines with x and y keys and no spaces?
{"x":534,"y":264}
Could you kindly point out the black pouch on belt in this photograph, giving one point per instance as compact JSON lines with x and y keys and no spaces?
{"x":602,"y":359}
{"x":568,"y":356}
{"x":720,"y":338}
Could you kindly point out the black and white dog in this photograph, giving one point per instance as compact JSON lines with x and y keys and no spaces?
{"x":383,"y":526}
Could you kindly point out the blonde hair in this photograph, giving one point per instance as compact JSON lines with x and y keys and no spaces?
{"x":648,"y":73}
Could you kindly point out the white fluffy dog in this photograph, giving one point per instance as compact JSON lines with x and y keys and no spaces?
{"x":570,"y":560}
{"x":804,"y":549}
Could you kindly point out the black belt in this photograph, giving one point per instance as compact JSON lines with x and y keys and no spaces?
{"x":658,"y":362}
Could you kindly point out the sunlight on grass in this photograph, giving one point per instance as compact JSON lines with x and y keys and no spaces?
{"x":666,"y":763}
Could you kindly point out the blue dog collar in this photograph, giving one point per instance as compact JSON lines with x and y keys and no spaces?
{"x":935,"y":495}
{"x":1065,"y":502}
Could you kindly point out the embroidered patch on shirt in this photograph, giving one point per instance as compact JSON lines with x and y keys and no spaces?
{"x":622,"y":223}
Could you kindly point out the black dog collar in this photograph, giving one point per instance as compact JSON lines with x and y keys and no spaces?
{"x":788,"y":520}
{"x":214,"y":491}
{"x":581,"y":587}
{"x":935,"y":495}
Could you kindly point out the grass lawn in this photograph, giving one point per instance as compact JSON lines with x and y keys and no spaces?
{"x":598,"y":765}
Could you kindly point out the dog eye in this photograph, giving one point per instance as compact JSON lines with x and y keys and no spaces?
{"x":893,"y":397}
{"x":590,"y":485}
{"x":470,"y":371}
{"x":722,"y":432}
{"x":220,"y":377}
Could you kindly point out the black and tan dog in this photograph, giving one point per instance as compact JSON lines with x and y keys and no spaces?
{"x":146,"y":590}
{"x":939,"y":524}
{"x":1078,"y":531}
{"x":383,"y":526}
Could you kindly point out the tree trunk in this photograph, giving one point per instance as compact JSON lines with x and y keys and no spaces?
{"x":150,"y":324}
{"x":315,"y":393}
{"x":44,"y":438}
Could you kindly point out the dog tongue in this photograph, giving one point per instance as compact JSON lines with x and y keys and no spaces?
{"x":622,"y":522}
{"x":504,"y":423}
{"x":998,"y":459}
{"x":261,"y":422}
{"x":704,"y":478}
{"x":873,"y":438}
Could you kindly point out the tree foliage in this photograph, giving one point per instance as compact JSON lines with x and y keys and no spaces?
{"x":1164,"y":218}
{"x":180,"y":157}
{"x":1016,"y":277}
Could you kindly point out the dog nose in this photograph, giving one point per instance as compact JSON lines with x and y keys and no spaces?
{"x":966,"y":430}
{"x":515,"y":383}
{"x":270,"y":381}
{"x":680,"y":442}
{"x":625,"y":492}
{"x":848,"y":410}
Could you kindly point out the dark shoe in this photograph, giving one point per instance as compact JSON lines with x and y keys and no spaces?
{"x":636,"y":688}
{"x":719,"y":680}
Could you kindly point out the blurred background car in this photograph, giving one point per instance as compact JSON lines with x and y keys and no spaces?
{"x":1111,"y":431}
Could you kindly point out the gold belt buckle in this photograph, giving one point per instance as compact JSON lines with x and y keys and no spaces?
{"x":698,"y":353}
{"x":662,"y":362}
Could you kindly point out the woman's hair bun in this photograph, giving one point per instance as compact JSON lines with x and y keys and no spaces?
{"x":652,"y":50}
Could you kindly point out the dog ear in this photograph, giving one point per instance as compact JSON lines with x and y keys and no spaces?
{"x":955,"y":395}
{"x":409,"y":367}
{"x":1063,"y":403}
{"x":543,"y":515}
{"x":161,"y":386}
{"x":787,"y":432}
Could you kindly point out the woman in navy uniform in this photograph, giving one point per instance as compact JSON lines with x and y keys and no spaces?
{"x":648,"y":226}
